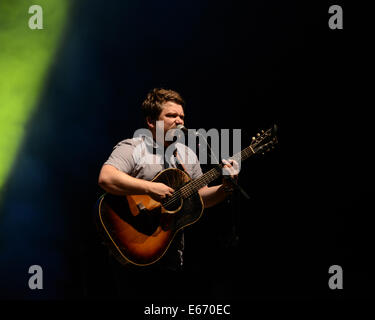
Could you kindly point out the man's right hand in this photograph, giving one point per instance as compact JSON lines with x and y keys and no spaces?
{"x":159,"y":191}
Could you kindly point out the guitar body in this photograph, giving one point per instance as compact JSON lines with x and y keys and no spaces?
{"x":138,"y":229}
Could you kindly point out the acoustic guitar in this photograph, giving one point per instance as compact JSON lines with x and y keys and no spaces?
{"x":139,"y":230}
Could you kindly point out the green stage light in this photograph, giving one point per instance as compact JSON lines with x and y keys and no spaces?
{"x":25,"y":58}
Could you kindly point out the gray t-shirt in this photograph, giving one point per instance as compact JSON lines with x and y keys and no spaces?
{"x":142,"y":158}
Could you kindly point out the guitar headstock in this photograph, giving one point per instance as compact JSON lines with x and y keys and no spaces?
{"x":264,"y":141}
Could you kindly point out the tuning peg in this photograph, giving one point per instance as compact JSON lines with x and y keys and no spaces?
{"x":262,"y":131}
{"x":253,"y":138}
{"x":258,"y":134}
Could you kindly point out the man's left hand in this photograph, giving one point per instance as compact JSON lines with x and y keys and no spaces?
{"x":230,"y":170}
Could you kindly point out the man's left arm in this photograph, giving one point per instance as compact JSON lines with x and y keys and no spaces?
{"x":216,"y":194}
{"x":213,"y":195}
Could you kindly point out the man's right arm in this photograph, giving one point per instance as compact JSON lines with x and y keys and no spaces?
{"x":117,"y":182}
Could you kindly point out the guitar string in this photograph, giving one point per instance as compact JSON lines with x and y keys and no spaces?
{"x":211,"y":175}
{"x":187,"y":190}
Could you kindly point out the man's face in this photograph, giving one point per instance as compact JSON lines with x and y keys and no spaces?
{"x":172,"y":115}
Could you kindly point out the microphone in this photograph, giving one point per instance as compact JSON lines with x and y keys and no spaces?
{"x":185,"y":130}
{"x":181,"y":127}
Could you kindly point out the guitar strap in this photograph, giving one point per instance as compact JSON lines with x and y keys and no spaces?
{"x":179,"y":163}
{"x":166,"y":163}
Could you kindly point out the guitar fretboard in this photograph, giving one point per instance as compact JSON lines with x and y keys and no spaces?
{"x":258,"y":145}
{"x":193,"y":186}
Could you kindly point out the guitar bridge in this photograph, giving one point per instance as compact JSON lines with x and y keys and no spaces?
{"x":141,"y":207}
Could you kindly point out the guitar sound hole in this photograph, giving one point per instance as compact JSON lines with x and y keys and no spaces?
{"x":172,"y":203}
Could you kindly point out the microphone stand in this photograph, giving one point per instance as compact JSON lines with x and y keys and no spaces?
{"x":233,"y":181}
{"x":233,"y":242}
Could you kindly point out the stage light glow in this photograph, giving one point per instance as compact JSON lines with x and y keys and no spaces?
{"x":25,"y":58}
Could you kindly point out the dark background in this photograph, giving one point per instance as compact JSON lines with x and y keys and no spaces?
{"x":237,"y":65}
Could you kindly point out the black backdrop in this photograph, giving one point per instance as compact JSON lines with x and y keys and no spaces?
{"x":238,"y":65}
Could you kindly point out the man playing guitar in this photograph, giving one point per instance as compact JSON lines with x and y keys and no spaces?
{"x":126,"y":172}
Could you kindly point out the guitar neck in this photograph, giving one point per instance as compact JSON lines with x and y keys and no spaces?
{"x":214,"y":173}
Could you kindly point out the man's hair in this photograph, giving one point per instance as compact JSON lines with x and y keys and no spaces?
{"x":152,"y":106}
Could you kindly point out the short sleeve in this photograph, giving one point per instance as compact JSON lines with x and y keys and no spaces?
{"x":196,"y":171}
{"x":122,"y":157}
